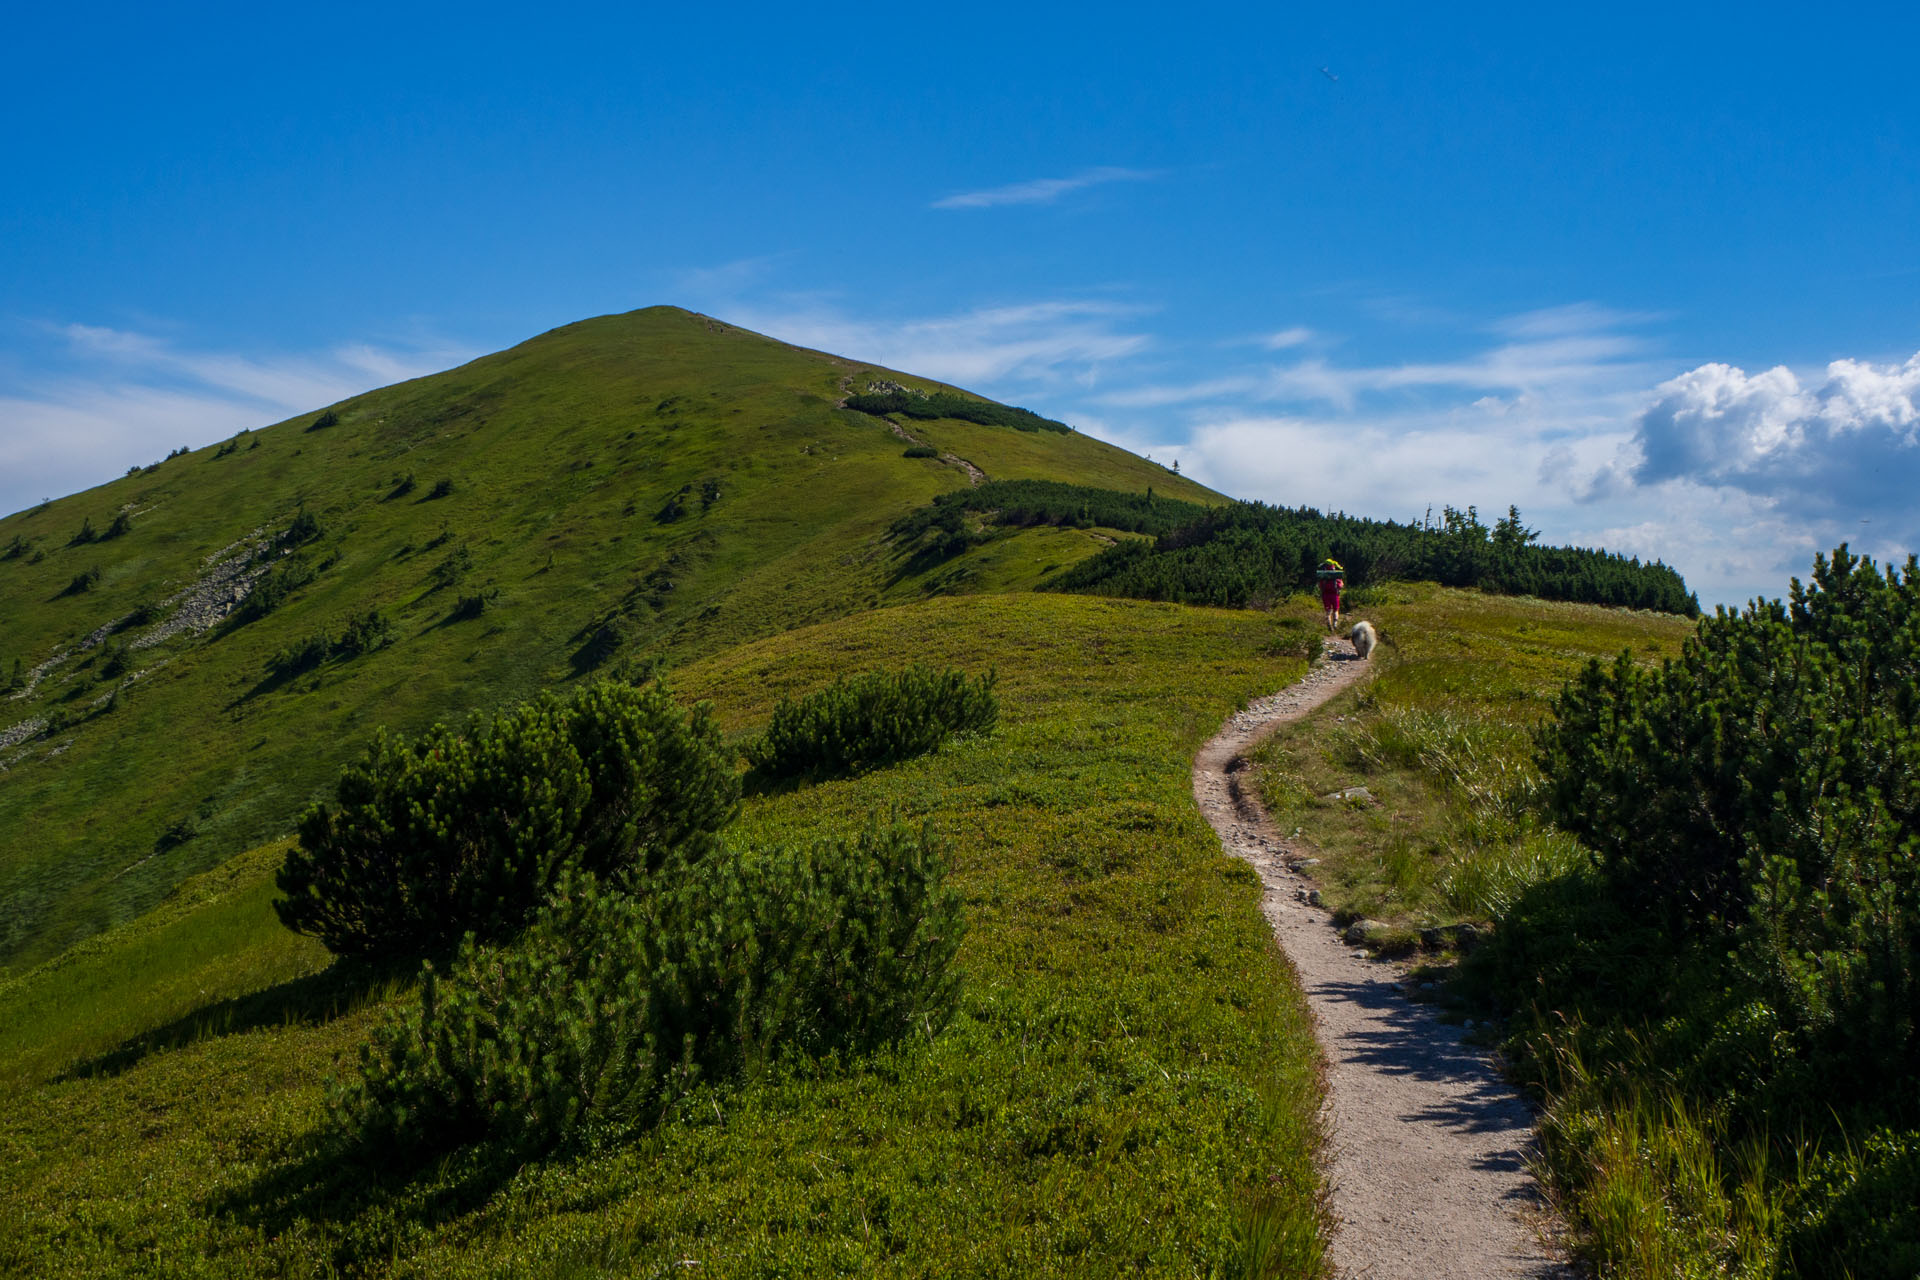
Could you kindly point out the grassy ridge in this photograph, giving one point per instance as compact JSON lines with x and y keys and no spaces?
{"x":1440,"y":738}
{"x":655,"y":483}
{"x":1129,"y":1084}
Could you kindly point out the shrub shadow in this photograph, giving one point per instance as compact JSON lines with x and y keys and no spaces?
{"x":335,"y":1183}
{"x":339,"y":989}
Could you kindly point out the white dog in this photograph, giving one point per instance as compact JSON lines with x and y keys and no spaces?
{"x":1364,"y":638}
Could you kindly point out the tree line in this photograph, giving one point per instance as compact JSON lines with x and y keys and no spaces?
{"x":1244,"y":552}
{"x":1235,"y":555}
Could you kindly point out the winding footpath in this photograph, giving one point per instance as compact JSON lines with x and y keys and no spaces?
{"x":1428,"y":1143}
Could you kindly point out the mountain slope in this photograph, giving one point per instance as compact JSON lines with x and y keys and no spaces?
{"x":655,"y":485}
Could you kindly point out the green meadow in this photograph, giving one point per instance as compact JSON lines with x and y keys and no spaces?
{"x":1129,"y":1085}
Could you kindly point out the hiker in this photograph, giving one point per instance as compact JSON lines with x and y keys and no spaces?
{"x":1333,"y":580}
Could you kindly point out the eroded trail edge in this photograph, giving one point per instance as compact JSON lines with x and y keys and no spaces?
{"x":1429,"y":1144}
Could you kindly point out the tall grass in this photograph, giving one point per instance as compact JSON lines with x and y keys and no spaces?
{"x":1652,"y":1177}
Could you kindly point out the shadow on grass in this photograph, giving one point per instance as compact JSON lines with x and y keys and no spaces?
{"x":335,"y":991}
{"x":370,"y":1206}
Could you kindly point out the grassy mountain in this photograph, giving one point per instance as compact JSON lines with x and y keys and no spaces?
{"x":203,"y":641}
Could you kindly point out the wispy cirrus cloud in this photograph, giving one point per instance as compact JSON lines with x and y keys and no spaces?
{"x":1058,"y":342}
{"x":102,"y":399}
{"x":1043,"y":190}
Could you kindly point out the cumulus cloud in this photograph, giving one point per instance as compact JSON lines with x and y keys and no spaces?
{"x":1849,"y":441}
{"x":123,"y":397}
{"x":1042,"y":190}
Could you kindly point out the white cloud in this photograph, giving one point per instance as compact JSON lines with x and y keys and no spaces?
{"x":1052,"y":343}
{"x":1296,"y":336}
{"x":1840,"y":455}
{"x":1766,"y":434}
{"x":125,"y":398}
{"x":1042,"y":190}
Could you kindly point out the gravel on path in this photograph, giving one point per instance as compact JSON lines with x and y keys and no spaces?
{"x":1429,"y":1145}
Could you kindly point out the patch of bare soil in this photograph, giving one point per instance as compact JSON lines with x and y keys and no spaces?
{"x":1429,"y":1145}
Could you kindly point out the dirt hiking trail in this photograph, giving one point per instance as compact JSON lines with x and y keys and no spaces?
{"x":1428,"y":1145}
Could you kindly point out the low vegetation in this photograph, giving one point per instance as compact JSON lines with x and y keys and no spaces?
{"x":1249,"y":553}
{"x":1024,"y":503}
{"x":1723,"y":1051}
{"x":945,"y":404}
{"x":1417,"y":790}
{"x":363,"y":633}
{"x":860,"y":722}
{"x":1125,"y":1083}
{"x":458,"y":833}
{"x":616,"y":1003}
{"x":1737,"y":969}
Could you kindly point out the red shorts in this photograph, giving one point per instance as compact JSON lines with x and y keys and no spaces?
{"x":1330,"y":596}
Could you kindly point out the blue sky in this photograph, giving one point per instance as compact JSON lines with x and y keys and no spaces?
{"x":1652,"y":273}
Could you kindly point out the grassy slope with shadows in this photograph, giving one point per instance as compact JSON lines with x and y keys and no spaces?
{"x":1129,"y":1085}
{"x":1439,"y":739}
{"x":1636,"y":1062}
{"x":563,"y":456}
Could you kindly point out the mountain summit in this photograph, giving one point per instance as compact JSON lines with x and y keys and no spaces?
{"x":191,"y":651}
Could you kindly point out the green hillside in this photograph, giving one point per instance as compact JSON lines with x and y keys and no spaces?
{"x":1127,"y":1087}
{"x":650,"y":486}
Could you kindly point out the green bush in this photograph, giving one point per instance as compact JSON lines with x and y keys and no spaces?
{"x":442,"y":488}
{"x":1761,"y":790}
{"x":301,"y":656}
{"x":363,"y":633}
{"x":116,"y":663}
{"x":85,"y":534}
{"x":85,"y":580}
{"x":469,"y":607}
{"x":304,"y":527}
{"x":919,"y":451}
{"x":327,"y":418}
{"x":611,"y":1004}
{"x":860,"y":722}
{"x":122,"y":525}
{"x":945,"y":404}
{"x":453,"y":568}
{"x":1858,"y":1215}
{"x":464,"y":832}
{"x":276,"y":585}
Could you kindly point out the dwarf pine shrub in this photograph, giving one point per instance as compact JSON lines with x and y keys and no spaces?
{"x":85,"y":580}
{"x":276,"y":585}
{"x":860,"y":722}
{"x":611,"y":1003}
{"x":304,"y":527}
{"x":1758,"y":794}
{"x":461,"y":832}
